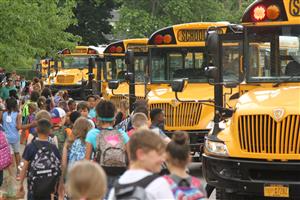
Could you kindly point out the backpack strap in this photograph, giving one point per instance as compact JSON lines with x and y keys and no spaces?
{"x":144,"y":182}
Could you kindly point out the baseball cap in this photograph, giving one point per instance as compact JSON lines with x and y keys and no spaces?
{"x":56,"y":115}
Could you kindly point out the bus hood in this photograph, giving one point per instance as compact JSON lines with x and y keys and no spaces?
{"x":263,"y":100}
{"x":193,"y":91}
{"x":123,"y":89}
{"x":71,"y":76}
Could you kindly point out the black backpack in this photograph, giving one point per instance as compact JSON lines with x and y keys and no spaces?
{"x":44,"y":171}
{"x":134,"y":191}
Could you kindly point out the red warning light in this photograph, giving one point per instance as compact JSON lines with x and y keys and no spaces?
{"x":158,"y":39}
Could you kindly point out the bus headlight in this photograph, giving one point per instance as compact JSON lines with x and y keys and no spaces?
{"x":217,"y":148}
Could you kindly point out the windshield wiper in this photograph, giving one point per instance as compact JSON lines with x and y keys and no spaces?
{"x":286,"y":80}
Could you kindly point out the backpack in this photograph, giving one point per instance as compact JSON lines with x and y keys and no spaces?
{"x":134,"y":191}
{"x":61,"y":135}
{"x":77,"y":152}
{"x":44,"y":171}
{"x":5,"y":158}
{"x":110,"y":149}
{"x":183,"y":189}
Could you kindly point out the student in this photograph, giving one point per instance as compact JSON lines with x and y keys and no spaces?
{"x":74,"y":147}
{"x":77,"y":148}
{"x":157,"y":117}
{"x":11,"y":120}
{"x":58,"y":118}
{"x":147,"y":152}
{"x":139,"y":120}
{"x":87,"y":181}
{"x":40,"y":185}
{"x":42,"y":114}
{"x":92,"y":104}
{"x":84,"y":110}
{"x":109,"y":144}
{"x":72,"y":105}
{"x":183,"y":185}
{"x":123,"y":112}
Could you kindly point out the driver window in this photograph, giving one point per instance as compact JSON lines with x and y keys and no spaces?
{"x":231,"y":61}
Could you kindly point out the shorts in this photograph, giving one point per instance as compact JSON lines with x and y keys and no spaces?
{"x":14,"y":147}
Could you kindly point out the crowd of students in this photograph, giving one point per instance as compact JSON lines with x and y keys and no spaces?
{"x":76,"y":150}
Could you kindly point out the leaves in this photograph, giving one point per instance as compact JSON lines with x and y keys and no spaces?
{"x":141,"y":18}
{"x":92,"y":18}
{"x":34,"y":28}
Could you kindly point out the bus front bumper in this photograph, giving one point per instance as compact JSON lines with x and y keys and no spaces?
{"x":252,"y":177}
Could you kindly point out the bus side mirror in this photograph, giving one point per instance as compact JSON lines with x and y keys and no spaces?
{"x":129,"y":57}
{"x":179,"y":85}
{"x":212,"y":72}
{"x":212,"y":45}
{"x":113,"y":84}
{"x":55,"y":66}
{"x":128,"y":76}
{"x":91,"y":65}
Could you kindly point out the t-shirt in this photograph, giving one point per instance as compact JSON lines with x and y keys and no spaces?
{"x":10,"y":127}
{"x":157,"y":189}
{"x":4,"y":92}
{"x":91,"y":136}
{"x":31,"y":150}
{"x":92,"y":113}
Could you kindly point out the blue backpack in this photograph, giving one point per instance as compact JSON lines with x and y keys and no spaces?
{"x":184,"y":189}
{"x":77,"y":152}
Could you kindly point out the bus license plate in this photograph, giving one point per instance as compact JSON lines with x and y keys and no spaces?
{"x":276,"y":190}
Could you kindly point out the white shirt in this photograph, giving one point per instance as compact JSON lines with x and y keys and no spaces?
{"x":157,"y":189}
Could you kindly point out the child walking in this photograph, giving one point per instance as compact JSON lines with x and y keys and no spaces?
{"x":12,"y":121}
{"x":41,"y":165}
{"x":183,"y":185}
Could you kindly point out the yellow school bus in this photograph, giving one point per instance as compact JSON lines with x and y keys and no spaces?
{"x":115,"y":67}
{"x":254,"y":150}
{"x":73,"y":73}
{"x":177,"y":52}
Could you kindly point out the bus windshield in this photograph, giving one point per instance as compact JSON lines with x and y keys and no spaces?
{"x":115,"y":68}
{"x":73,"y":62}
{"x":140,"y":68}
{"x":274,"y":55}
{"x":175,"y":63}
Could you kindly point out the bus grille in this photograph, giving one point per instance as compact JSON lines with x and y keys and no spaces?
{"x":262,"y":134}
{"x":65,"y":78}
{"x":185,"y":114}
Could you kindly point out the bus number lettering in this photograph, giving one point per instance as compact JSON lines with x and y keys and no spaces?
{"x":191,"y":35}
{"x":295,"y":7}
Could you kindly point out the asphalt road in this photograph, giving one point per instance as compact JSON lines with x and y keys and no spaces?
{"x":196,"y":170}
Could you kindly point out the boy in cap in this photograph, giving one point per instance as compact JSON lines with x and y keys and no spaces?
{"x":58,"y":119}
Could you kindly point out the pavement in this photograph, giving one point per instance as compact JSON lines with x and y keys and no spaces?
{"x":196,"y":170}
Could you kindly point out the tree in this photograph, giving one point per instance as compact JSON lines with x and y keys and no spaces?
{"x":143,"y":17}
{"x":92,"y":16}
{"x":34,"y":28}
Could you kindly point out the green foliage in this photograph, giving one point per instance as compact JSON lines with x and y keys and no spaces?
{"x":92,"y":18}
{"x":34,"y":28}
{"x":143,"y":17}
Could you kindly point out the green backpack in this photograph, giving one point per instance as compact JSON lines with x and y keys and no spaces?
{"x":61,"y":135}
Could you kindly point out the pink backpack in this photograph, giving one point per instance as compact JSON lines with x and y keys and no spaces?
{"x":5,"y":158}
